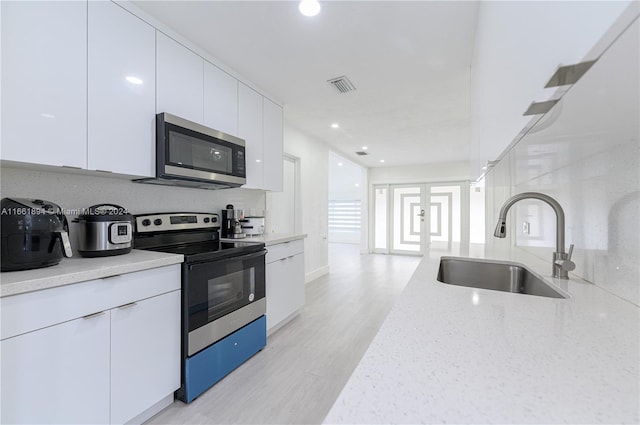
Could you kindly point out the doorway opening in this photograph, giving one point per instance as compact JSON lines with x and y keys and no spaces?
{"x":284,"y":207}
{"x":421,"y":219}
{"x":347,"y":200}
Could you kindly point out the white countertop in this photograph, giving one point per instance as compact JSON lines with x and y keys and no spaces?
{"x":270,"y":238}
{"x":453,"y":354}
{"x":79,"y":269}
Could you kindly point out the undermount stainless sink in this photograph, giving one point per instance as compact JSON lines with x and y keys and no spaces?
{"x":494,"y":275}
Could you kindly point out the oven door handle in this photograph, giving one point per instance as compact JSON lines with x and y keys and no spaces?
{"x":248,"y":256}
{"x":240,"y":258}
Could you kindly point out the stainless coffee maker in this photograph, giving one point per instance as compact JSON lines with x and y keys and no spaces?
{"x":231,"y":226}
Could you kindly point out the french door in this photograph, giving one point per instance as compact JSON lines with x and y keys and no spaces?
{"x":420,"y":218}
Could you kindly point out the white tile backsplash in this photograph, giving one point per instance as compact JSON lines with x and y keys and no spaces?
{"x":588,"y":159}
{"x":74,"y":191}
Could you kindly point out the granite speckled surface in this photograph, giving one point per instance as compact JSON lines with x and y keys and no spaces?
{"x":80,"y":269}
{"x":453,"y":354}
{"x":271,"y":238}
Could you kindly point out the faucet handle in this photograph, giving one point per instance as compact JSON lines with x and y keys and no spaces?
{"x":570,"y":252}
{"x":566,"y":263}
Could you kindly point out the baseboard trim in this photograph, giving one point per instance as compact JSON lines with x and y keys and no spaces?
{"x":152,"y":411}
{"x":313,"y":275}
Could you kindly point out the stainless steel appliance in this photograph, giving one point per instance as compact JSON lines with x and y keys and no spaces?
{"x":252,"y":226}
{"x":231,"y":223}
{"x":223,"y":295}
{"x":104,"y":230}
{"x":190,"y":154}
{"x":35,"y":234}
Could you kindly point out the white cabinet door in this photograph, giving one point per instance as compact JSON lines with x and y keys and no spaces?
{"x":179,"y":80}
{"x":145,"y":354}
{"x":122,"y":96}
{"x":250,"y":129}
{"x":272,"y":149}
{"x":284,"y":288}
{"x":220,"y":100}
{"x":58,"y":374}
{"x":44,"y":82}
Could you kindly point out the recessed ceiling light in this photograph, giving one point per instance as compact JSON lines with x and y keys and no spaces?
{"x":134,"y":80}
{"x":357,"y":184}
{"x":382,"y":160}
{"x":258,"y":160}
{"x":339,"y":164}
{"x":309,"y":7}
{"x":335,"y":125}
{"x":364,"y":148}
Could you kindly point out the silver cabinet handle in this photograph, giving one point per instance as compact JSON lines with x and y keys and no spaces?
{"x":122,"y":307}
{"x":91,"y":316}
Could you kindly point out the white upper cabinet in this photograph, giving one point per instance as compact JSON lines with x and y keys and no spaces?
{"x":518,"y":47}
{"x":250,"y":129}
{"x":44,"y":82}
{"x":121,"y":94}
{"x":179,"y":80}
{"x":272,"y":146}
{"x":220,"y":100}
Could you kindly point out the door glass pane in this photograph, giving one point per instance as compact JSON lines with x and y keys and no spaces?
{"x":380,"y":218}
{"x":406,"y":219}
{"x":445,"y":209}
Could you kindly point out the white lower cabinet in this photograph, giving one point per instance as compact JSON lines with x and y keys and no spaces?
{"x":145,"y":355}
{"x":102,"y":351}
{"x":58,"y":374}
{"x":285,"y":289}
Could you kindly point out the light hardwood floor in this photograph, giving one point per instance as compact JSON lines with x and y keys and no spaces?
{"x":297,"y":377}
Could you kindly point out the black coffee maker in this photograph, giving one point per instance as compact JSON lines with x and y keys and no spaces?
{"x":231,"y":226}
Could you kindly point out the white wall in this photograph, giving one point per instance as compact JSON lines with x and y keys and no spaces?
{"x":74,"y":191}
{"x":588,"y":160}
{"x":436,"y":172}
{"x":314,"y":192}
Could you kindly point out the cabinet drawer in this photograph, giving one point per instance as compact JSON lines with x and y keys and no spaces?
{"x":35,"y":310}
{"x":284,"y":250}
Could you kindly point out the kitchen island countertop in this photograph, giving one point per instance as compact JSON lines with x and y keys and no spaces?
{"x":454,"y":354}
{"x":80,"y":269}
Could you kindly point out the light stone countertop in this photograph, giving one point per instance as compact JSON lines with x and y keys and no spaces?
{"x":453,"y":354}
{"x":80,"y":269}
{"x":270,"y":238}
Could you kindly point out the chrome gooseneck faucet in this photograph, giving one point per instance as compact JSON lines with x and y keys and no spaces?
{"x":562,"y":263}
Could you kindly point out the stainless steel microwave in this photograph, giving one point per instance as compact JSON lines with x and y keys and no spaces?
{"x":190,"y":154}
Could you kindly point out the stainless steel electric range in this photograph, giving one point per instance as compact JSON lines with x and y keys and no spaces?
{"x":223,"y":295}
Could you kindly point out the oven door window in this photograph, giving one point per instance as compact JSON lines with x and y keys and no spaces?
{"x":226,"y":292}
{"x":191,"y":152}
{"x":217,"y":288}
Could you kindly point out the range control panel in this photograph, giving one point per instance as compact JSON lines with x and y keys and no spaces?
{"x":175,"y":221}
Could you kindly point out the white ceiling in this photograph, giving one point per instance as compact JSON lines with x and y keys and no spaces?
{"x":409,"y":61}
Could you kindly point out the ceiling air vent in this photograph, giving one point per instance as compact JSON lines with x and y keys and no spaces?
{"x":342,"y":84}
{"x":361,"y":153}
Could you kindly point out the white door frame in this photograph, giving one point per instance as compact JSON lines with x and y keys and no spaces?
{"x":425,"y":204}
